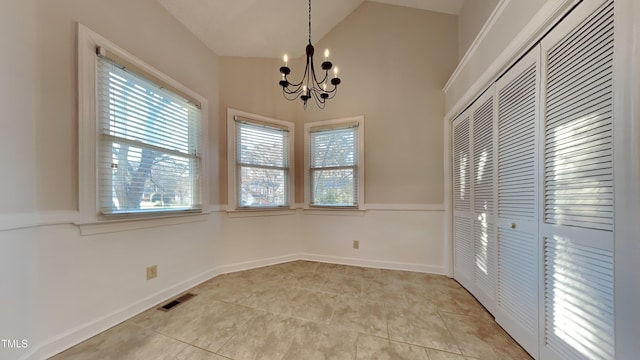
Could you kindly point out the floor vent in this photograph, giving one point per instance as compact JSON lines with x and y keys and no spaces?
{"x":173,"y":303}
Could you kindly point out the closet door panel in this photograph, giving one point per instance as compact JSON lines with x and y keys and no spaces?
{"x":463,"y":238}
{"x":517,"y":198}
{"x":485,"y":247}
{"x":577,"y":226}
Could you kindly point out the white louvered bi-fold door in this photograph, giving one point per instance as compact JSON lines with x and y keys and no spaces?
{"x":463,"y":248}
{"x":577,"y":229}
{"x":483,"y":130}
{"x":517,"y":287}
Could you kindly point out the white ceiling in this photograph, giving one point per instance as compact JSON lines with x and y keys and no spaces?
{"x":270,"y":28}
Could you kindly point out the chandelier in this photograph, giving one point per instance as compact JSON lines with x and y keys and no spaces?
{"x":310,"y":87}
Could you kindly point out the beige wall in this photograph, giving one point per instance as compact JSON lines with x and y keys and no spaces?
{"x":394,"y":62}
{"x":142,"y":27}
{"x":473,"y":15}
{"x":18,"y":119}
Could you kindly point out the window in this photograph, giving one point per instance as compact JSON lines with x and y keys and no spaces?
{"x":140,"y":136}
{"x":148,"y":144}
{"x":334,"y":163}
{"x":259,"y":159}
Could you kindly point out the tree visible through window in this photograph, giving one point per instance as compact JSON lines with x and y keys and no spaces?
{"x":262,"y":163}
{"x":334,"y":161}
{"x":148,"y":146}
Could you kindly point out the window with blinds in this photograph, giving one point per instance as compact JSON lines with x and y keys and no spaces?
{"x":262,"y":164}
{"x":334,"y":161}
{"x":148,"y":145}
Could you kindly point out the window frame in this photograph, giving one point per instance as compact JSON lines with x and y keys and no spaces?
{"x":232,"y":177}
{"x":88,"y":42}
{"x":360,"y":167}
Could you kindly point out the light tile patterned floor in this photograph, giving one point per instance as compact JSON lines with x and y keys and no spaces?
{"x":309,"y":310}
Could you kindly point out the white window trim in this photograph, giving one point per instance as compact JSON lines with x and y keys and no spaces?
{"x":361,"y":169}
{"x":232,"y":193}
{"x":88,"y":40}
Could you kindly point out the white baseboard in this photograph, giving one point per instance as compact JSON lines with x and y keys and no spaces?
{"x":380,"y":264}
{"x":253,"y":264}
{"x":389,"y":265}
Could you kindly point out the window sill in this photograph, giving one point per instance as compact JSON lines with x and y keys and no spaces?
{"x":260,"y":212}
{"x":109,"y":226}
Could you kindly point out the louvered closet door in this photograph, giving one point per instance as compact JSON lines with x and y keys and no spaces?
{"x":517,"y":293}
{"x":577,"y":228}
{"x":463,"y":248}
{"x":484,"y":233}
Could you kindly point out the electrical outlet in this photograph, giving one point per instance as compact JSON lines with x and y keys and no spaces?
{"x":356,"y":244}
{"x":152,"y":272}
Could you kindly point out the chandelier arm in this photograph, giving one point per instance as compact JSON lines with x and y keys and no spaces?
{"x":324,"y":79}
{"x":289,"y":91}
{"x":290,"y":98}
{"x":308,"y":70}
{"x":295,"y":84}
{"x":299,"y":84}
{"x":313,"y":74}
{"x":332,"y":90}
{"x":318,"y":100}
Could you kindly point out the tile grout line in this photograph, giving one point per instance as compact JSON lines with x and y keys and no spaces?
{"x":217,"y":352}
{"x":450,"y":333}
{"x":178,"y":340}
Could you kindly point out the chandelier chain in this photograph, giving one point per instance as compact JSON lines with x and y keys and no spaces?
{"x":309,"y":21}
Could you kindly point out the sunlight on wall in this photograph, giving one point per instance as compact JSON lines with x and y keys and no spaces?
{"x":482,"y":248}
{"x":464,"y":159}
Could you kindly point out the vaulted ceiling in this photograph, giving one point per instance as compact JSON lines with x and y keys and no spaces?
{"x":270,"y":28}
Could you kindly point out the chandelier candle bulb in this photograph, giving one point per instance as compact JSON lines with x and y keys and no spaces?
{"x":286,"y":60}
{"x":326,"y":55}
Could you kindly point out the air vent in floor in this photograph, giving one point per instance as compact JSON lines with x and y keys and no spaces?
{"x":173,"y":303}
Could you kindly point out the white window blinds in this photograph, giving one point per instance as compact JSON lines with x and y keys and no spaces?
{"x":262,"y":164}
{"x":148,"y":148}
{"x":334,"y":165}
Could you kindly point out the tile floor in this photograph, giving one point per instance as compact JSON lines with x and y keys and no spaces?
{"x":309,"y":310}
